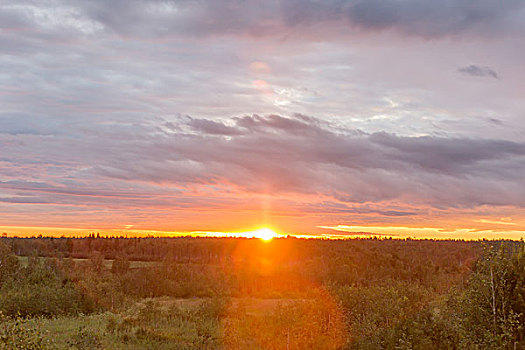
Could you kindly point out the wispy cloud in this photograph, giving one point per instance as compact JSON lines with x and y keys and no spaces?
{"x":271,"y":154}
{"x":478,"y":71}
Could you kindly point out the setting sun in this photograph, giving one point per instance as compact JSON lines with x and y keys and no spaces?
{"x":266,"y":234}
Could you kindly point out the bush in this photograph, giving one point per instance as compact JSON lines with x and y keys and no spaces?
{"x":40,"y":289}
{"x":15,"y":333}
{"x":85,"y":340}
{"x":8,"y":263}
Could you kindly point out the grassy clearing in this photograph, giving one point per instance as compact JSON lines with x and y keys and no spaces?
{"x":66,"y":332}
{"x":24,"y":261}
{"x":170,"y":323}
{"x":153,"y":323}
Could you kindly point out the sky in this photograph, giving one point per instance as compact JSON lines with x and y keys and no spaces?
{"x":334,"y":117}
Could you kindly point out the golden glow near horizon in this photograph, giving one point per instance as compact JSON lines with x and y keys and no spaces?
{"x":267,"y":234}
{"x":426,"y":232}
{"x":264,"y":233}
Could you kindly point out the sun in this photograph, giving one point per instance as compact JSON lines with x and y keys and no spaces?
{"x":265,"y":233}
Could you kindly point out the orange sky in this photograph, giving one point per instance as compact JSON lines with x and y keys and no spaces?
{"x":337,"y":233}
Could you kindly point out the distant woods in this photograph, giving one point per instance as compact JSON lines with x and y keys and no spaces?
{"x":351,"y":294}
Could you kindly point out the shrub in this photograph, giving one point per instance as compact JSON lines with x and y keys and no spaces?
{"x":15,"y":333}
{"x":85,"y":340}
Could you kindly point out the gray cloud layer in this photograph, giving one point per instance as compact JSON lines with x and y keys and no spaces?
{"x":426,"y":18}
{"x":264,"y":154}
{"x":134,"y":60}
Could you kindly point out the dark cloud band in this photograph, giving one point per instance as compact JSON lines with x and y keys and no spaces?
{"x":425,"y":18}
{"x":277,"y":155}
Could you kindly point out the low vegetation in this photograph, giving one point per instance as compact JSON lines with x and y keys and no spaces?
{"x":225,"y":293}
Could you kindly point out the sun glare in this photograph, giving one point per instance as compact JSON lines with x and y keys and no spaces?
{"x":266,"y":234}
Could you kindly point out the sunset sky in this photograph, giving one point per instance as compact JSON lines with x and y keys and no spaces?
{"x":402,"y":117}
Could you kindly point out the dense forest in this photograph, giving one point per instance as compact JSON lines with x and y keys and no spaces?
{"x":234,"y":293}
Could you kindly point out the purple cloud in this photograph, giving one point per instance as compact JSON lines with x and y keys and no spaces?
{"x":276,"y":154}
{"x":477,"y":71}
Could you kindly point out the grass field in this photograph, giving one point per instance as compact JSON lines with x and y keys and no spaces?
{"x":107,"y":262}
{"x":153,"y":323}
{"x":158,"y":323}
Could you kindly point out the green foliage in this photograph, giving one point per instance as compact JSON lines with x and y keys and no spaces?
{"x":96,"y":262}
{"x":392,"y":315}
{"x":293,"y":324}
{"x":493,"y":307}
{"x":120,"y":265}
{"x":85,"y":340}
{"x":8,"y":263}
{"x":383,"y":294}
{"x":15,"y":333}
{"x":41,"y":289}
{"x":487,"y":314}
{"x":171,"y":326}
